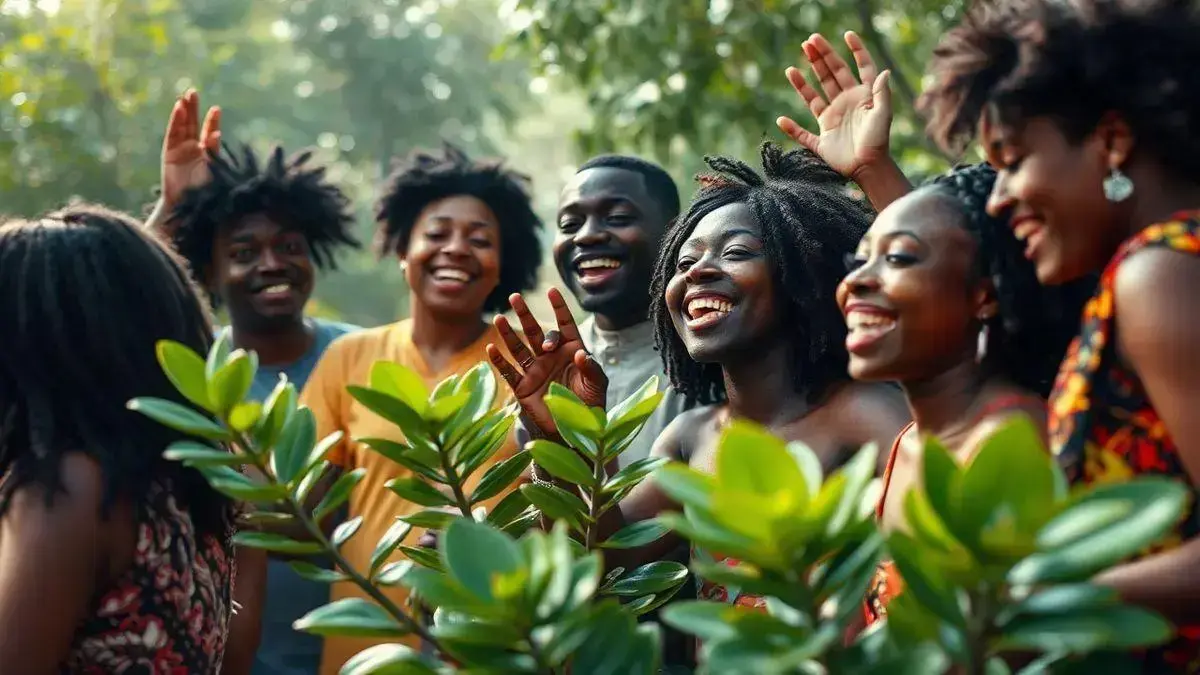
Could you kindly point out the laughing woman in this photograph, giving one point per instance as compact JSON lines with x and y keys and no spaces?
{"x":1088,"y":111}
{"x":466,"y":237}
{"x":747,"y":323}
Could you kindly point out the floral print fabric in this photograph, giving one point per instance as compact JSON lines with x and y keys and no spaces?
{"x":169,"y":612}
{"x":1103,"y":427}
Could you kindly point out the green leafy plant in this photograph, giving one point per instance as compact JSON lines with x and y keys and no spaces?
{"x":996,"y":558}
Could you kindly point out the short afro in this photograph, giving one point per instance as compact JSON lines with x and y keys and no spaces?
{"x":424,"y":177}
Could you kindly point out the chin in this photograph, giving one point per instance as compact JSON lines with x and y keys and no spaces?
{"x":867,"y":370}
{"x":453,"y":307}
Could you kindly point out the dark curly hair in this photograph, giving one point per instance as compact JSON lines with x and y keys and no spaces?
{"x":659,"y":184}
{"x":86,"y":295}
{"x":293,"y":193}
{"x":1073,"y":62}
{"x":810,"y":222}
{"x":423,"y":178}
{"x":1029,"y":335}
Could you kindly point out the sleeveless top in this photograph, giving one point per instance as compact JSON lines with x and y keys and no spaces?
{"x":886,"y":583}
{"x":169,"y":612}
{"x":1103,"y":427}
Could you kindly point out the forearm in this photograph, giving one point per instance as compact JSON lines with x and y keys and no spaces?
{"x":245,"y":628}
{"x":1165,"y":582}
{"x":883,"y":183}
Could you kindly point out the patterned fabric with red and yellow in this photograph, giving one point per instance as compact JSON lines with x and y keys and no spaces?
{"x":1103,"y":427}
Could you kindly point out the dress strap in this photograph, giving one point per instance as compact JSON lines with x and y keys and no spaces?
{"x":887,"y":472}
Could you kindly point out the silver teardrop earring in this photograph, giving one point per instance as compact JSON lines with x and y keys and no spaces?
{"x":981,"y":344}
{"x":403,"y":265}
{"x":1117,"y":186}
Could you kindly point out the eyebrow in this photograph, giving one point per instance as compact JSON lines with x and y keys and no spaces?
{"x":893,"y":235}
{"x":603,"y":200}
{"x":473,"y":224}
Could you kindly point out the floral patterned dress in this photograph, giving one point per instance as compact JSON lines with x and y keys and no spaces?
{"x":1103,"y":427}
{"x":168,"y":614}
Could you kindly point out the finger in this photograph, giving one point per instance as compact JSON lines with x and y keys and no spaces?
{"x":516,"y":348}
{"x":553,"y":339}
{"x":881,"y":93}
{"x":192,"y":99}
{"x":176,"y":126}
{"x":798,"y":133}
{"x":816,"y":105}
{"x":214,"y":142}
{"x":593,"y":377}
{"x":212,"y":125}
{"x":506,"y":370}
{"x":562,"y":314}
{"x":867,"y":70}
{"x":529,"y":323}
{"x":832,"y":71}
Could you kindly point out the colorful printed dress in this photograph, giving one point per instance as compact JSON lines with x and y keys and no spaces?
{"x":1103,"y":427}
{"x":707,"y":590}
{"x":168,"y":614}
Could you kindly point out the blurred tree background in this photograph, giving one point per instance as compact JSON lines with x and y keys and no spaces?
{"x":86,"y":87}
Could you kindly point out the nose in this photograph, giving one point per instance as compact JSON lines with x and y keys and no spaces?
{"x":704,"y":269}
{"x":1000,"y":200}
{"x":591,"y":233}
{"x":860,"y":281}
{"x":270,"y":261}
{"x":458,"y":245}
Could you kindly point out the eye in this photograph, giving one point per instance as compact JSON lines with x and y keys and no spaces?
{"x":293,"y":247}
{"x":569,"y":224}
{"x":481,"y":242}
{"x":900,"y":259}
{"x":684,"y":264}
{"x":738,"y":252}
{"x":242,"y":255}
{"x":620,"y":218}
{"x":436,"y":235}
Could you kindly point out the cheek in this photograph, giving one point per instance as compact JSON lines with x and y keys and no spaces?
{"x":673,"y":297}
{"x":489,"y":263}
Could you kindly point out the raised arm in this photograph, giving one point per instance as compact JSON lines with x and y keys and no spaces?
{"x":186,"y":146}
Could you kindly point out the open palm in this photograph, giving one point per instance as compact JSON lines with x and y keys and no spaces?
{"x":855,"y":121}
{"x":186,"y":146}
{"x":556,"y":357}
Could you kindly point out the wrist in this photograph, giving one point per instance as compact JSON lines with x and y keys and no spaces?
{"x":882,"y":181}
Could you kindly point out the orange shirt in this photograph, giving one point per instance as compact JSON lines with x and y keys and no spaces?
{"x":346,"y":362}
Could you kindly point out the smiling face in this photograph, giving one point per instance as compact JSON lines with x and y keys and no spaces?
{"x":722,"y":295}
{"x":1054,"y":191}
{"x":263,"y":273}
{"x":609,"y":230}
{"x":453,"y":256}
{"x":914,"y":299}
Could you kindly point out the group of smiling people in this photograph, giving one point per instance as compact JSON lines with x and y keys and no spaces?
{"x":778,"y":296}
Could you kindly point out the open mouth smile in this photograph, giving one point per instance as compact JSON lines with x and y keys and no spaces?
{"x":706,"y":310}
{"x":866,"y":326}
{"x":596,"y":271}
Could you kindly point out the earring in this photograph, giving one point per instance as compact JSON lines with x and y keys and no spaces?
{"x":403,"y":265}
{"x":1117,"y":186}
{"x":981,"y":344}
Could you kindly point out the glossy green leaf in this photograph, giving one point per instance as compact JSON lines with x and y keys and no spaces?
{"x":192,"y":453}
{"x":752,"y":460}
{"x":635,"y":405}
{"x":477,"y":454}
{"x":398,"y":382}
{"x":1011,"y":468}
{"x":185,"y":369}
{"x":1118,"y":628}
{"x":923,"y":579}
{"x":637,"y":534}
{"x":416,"y":460}
{"x":339,"y":492}
{"x":562,"y":463}
{"x":480,"y":385}
{"x":634,"y":473}
{"x":179,"y":418}
{"x":266,"y":519}
{"x":556,"y":503}
{"x":499,"y":634}
{"x":1062,"y":599}
{"x":245,"y":415}
{"x":230,"y":384}
{"x":709,"y":621}
{"x":476,"y":555}
{"x":613,"y":636}
{"x":277,"y":409}
{"x":685,"y":485}
{"x":388,"y":660}
{"x":343,"y":532}
{"x":430,"y":519}
{"x":446,"y":407}
{"x":655,"y":577}
{"x":419,"y":492}
{"x":312,"y":572}
{"x":320,"y":451}
{"x":1081,"y":520}
{"x":858,"y":473}
{"x":513,"y":504}
{"x":941,"y":474}
{"x":305,"y":487}
{"x":1156,"y":506}
{"x":219,"y":353}
{"x":501,"y":477}
{"x":391,"y":409}
{"x":388,"y":543}
{"x":294,"y":446}
{"x":239,"y":486}
{"x":350,"y":617}
{"x":393,"y":573}
{"x":810,"y":465}
{"x":276,"y":543}
{"x":439,"y":590}
{"x":425,"y":557}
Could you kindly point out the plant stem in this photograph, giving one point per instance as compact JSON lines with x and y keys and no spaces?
{"x":977,"y":631}
{"x":300,"y":511}
{"x":460,"y":497}
{"x":594,"y":500}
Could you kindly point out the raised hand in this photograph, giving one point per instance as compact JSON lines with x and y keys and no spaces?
{"x":855,"y":121}
{"x":186,"y":146}
{"x":558,"y":356}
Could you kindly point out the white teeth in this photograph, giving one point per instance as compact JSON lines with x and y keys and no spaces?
{"x":698,"y":306}
{"x":277,"y":288}
{"x":449,"y":274}
{"x":600,"y":263}
{"x":856,"y":320}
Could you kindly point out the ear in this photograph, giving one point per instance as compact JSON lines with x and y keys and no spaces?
{"x":1116,"y":138}
{"x":987,"y":304}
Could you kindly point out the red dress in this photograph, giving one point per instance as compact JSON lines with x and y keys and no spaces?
{"x":168,"y":614}
{"x":1103,"y":427}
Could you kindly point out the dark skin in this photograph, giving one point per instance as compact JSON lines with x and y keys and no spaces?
{"x":607,"y":216}
{"x":916,"y":272}
{"x":725,"y":255}
{"x":1158,"y":322}
{"x":54,"y":560}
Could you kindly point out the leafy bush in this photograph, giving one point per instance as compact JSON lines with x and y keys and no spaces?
{"x":996,"y":562}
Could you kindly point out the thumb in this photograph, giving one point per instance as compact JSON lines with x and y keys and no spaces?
{"x":593,"y":375}
{"x":881,"y":93}
{"x":798,"y":133}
